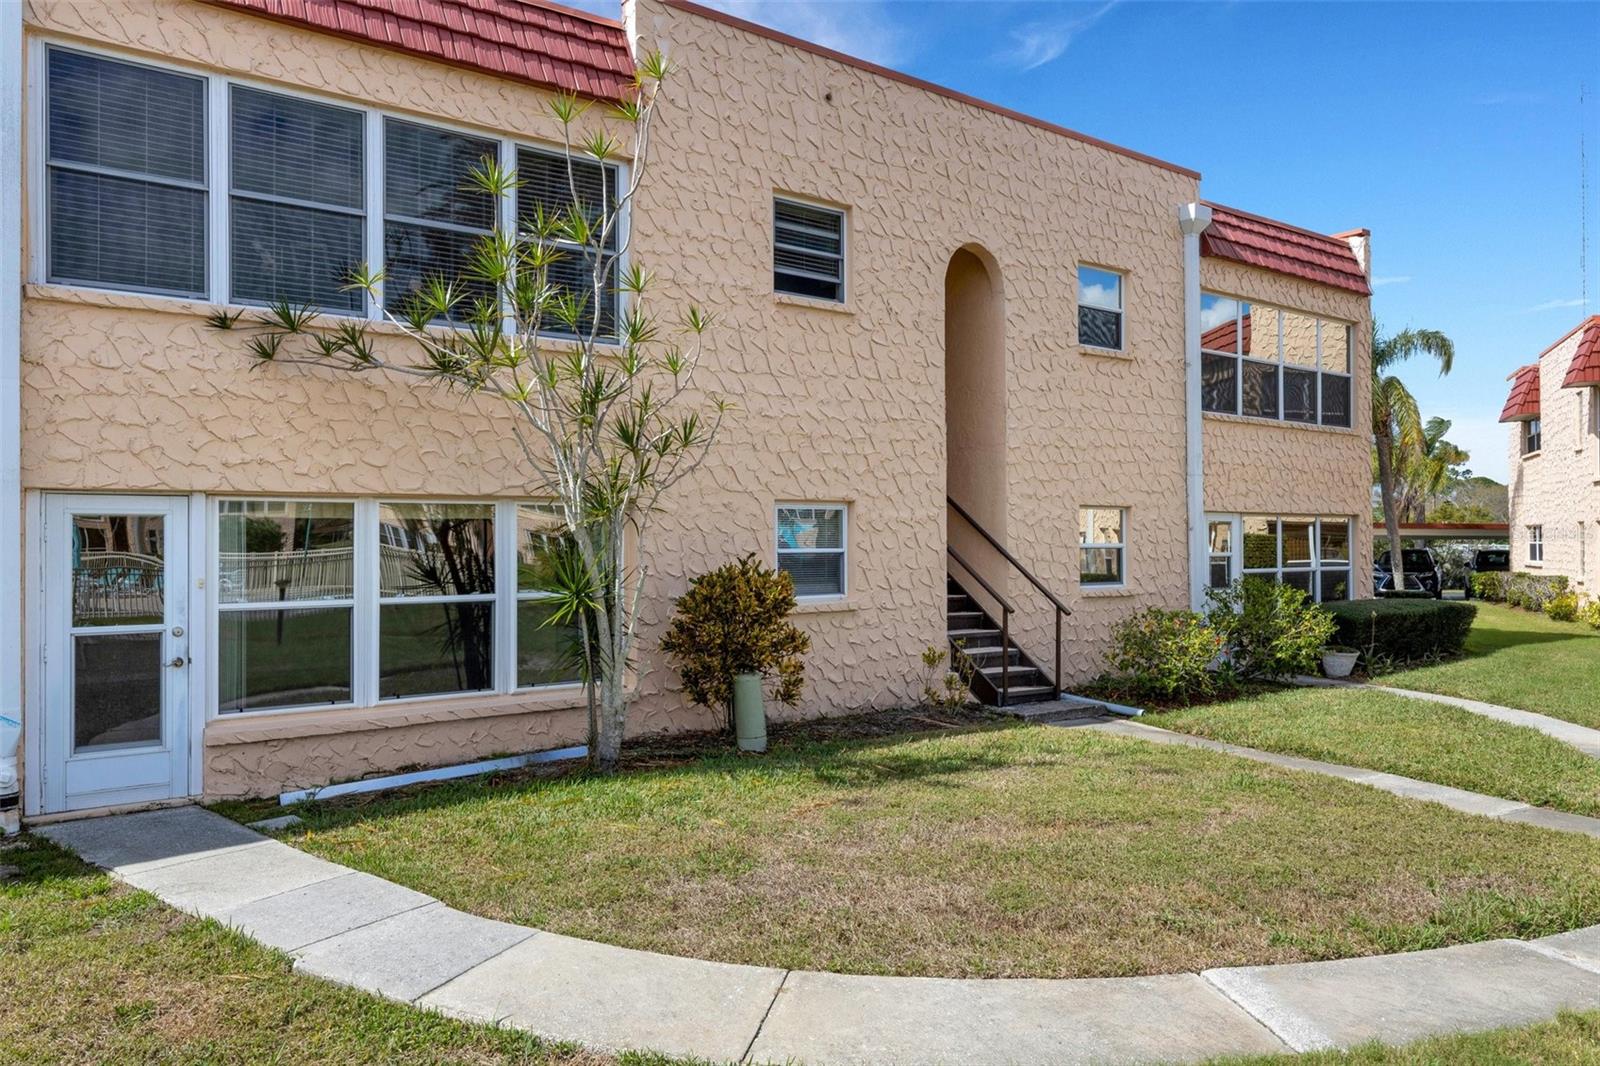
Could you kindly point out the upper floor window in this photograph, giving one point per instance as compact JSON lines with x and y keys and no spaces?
{"x":1102,"y":533}
{"x":311,"y":189}
{"x":126,"y":175}
{"x":1270,"y":363}
{"x":811,"y":548}
{"x":1099,"y":307}
{"x":1532,"y":436}
{"x":1535,"y":544}
{"x":297,"y":219}
{"x":807,"y":250}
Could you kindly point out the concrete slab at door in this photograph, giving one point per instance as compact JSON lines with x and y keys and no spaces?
{"x":215,"y":884}
{"x":128,"y":843}
{"x":551,"y":985}
{"x":823,"y":1019}
{"x":1397,"y":999}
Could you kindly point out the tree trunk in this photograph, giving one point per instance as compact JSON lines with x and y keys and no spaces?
{"x":1391,"y":518}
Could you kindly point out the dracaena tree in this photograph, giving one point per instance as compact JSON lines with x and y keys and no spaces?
{"x":604,"y":405}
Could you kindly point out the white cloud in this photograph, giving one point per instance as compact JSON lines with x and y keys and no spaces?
{"x":1393,"y":279}
{"x":1553,"y":305}
{"x":862,"y":28}
{"x":1036,"y":43}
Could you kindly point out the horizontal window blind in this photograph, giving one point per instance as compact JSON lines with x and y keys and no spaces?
{"x":808,"y":250}
{"x":550,"y":188}
{"x":434,"y":212}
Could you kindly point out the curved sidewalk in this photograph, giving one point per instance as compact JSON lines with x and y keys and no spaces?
{"x":363,"y":931}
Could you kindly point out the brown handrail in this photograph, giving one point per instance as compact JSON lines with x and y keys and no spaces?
{"x":1062,"y":609}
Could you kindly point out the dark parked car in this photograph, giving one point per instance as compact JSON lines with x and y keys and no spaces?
{"x":1489,"y":561}
{"x":1422,"y":573}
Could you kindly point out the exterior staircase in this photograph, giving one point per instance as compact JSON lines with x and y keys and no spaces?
{"x":1002,"y":675}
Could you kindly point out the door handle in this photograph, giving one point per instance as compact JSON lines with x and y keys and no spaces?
{"x":179,"y":661}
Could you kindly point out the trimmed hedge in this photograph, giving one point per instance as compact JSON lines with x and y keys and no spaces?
{"x":1402,"y":630}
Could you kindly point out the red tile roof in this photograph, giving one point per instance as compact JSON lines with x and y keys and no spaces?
{"x":1523,"y":403}
{"x":1584,"y":370}
{"x":1225,"y":336}
{"x":1282,"y":248}
{"x":529,"y":40}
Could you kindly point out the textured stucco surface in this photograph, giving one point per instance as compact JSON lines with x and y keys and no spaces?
{"x":836,"y":404}
{"x":1559,"y":486}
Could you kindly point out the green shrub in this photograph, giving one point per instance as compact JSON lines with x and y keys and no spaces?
{"x":1167,"y":656}
{"x":1532,"y":591}
{"x":1563,"y":607}
{"x":1403,"y":631}
{"x":1406,"y":594}
{"x":1589,"y":614}
{"x":1490,"y":587}
{"x":1270,"y":630}
{"x":735,"y":620}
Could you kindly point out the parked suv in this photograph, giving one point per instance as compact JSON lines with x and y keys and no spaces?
{"x":1489,"y":561}
{"x":1422,"y":573}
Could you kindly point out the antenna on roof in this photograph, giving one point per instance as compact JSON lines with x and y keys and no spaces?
{"x":1583,"y":195}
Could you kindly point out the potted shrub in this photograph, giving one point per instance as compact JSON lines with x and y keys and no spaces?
{"x":1339,"y":660}
{"x":730,"y":637}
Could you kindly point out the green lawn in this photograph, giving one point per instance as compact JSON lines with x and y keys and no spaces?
{"x":1429,"y":741}
{"x":1520,"y":659}
{"x":997,"y":852}
{"x":1573,"y":1039}
{"x":94,"y":971}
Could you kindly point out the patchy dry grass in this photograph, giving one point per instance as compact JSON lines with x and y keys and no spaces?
{"x":995,"y":852}
{"x":94,"y":971}
{"x":1429,"y":741}
{"x":1572,"y":1039}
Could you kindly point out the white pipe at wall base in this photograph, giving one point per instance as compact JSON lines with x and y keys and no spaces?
{"x":11,"y":214}
{"x":1192,"y":221}
{"x":438,"y":773}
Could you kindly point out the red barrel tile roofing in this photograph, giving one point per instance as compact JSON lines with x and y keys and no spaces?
{"x":543,"y":43}
{"x":1523,"y":403}
{"x":1283,"y":249}
{"x":1584,"y":370}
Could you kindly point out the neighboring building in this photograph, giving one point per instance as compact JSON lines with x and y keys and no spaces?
{"x":233,"y":574}
{"x":1554,"y":413}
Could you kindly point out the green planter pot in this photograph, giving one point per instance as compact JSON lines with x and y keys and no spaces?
{"x":749,"y":712}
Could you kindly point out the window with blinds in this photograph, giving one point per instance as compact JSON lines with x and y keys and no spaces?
{"x":549,"y":187}
{"x":434,"y":214}
{"x":811,"y":548}
{"x":808,"y":250}
{"x":296,"y":213}
{"x":126,"y":175}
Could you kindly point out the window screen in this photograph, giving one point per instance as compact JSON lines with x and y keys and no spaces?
{"x":808,"y":250}
{"x":297,"y":221}
{"x":126,"y":183}
{"x":549,"y":186}
{"x":434,"y":213}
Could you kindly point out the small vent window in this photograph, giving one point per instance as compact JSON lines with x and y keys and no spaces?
{"x":808,"y":250}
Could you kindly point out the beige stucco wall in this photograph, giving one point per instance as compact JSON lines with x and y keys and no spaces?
{"x":1558,"y":487}
{"x":1257,"y":466}
{"x":835,"y":403}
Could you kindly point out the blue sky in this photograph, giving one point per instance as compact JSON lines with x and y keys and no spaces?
{"x":1449,"y":130}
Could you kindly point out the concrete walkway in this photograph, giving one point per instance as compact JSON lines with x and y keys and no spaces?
{"x":363,"y":931}
{"x":1581,"y":737}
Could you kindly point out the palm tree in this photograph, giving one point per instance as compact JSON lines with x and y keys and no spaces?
{"x":1397,"y":430}
{"x":1427,"y":475}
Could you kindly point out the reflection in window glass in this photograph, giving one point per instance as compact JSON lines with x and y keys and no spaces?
{"x":1299,"y":340}
{"x":1101,"y":540}
{"x":116,"y":690}
{"x":811,"y":549}
{"x":435,"y":549}
{"x":548,"y":652}
{"x":429,"y":649}
{"x":296,"y":657}
{"x":1099,"y":307}
{"x":1260,"y":543}
{"x":118,"y":570}
{"x":1297,"y":541}
{"x":1260,"y":389}
{"x":285,"y":550}
{"x":1299,"y":395}
{"x":1219,"y":383}
{"x":1335,"y":348}
{"x":1335,"y":540}
{"x":1311,"y":554}
{"x":1335,"y":400}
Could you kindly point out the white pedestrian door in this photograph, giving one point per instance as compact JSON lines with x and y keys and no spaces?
{"x":116,"y":692}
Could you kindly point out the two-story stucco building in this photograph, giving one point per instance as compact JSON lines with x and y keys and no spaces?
{"x":1554,"y":414}
{"x":945,"y":326}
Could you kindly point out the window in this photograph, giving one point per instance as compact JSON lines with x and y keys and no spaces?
{"x":1535,"y":544}
{"x":548,"y":652}
{"x":808,"y":250}
{"x":285,"y":603}
{"x":1101,"y":543}
{"x":1099,"y":308}
{"x":126,"y":175}
{"x":433,"y":212}
{"x":1269,"y":363}
{"x":296,"y":217}
{"x":1310,"y":553}
{"x":1532,"y":436}
{"x":546,"y":191}
{"x":1219,"y":536}
{"x":436,"y":599}
{"x":811,"y":548}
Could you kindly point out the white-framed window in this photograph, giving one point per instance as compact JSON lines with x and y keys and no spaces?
{"x":813,"y":548}
{"x":1266,"y":362}
{"x":808,"y":250}
{"x":1100,"y":307}
{"x":1220,"y":537}
{"x":159,"y":179}
{"x":1312,"y":553}
{"x":352,"y":602}
{"x":1536,"y":544}
{"x":1532,"y":437}
{"x":1102,"y":546}
{"x":546,"y":188}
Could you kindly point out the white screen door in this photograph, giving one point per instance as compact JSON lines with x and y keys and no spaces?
{"x":116,"y":690}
